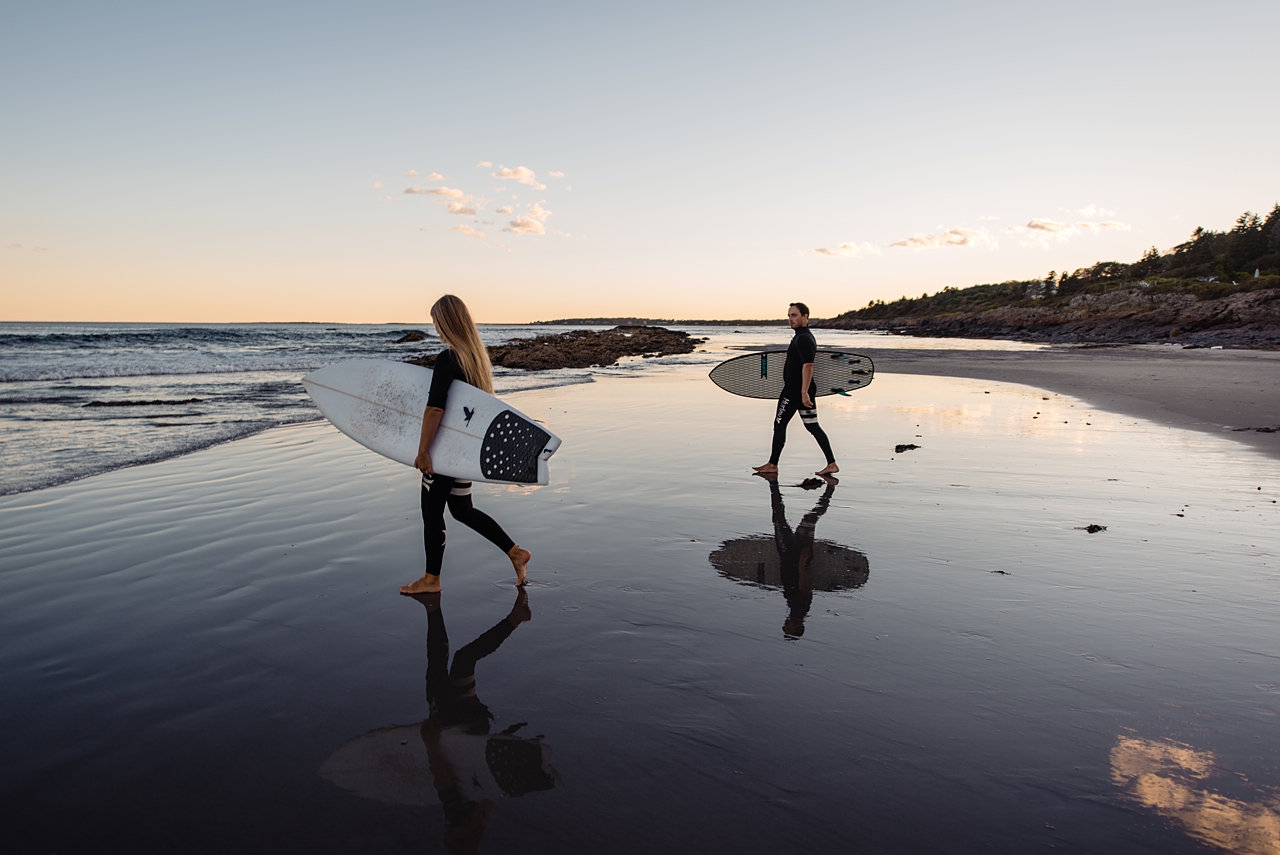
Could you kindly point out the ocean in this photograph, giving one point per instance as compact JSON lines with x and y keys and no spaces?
{"x":80,"y":399}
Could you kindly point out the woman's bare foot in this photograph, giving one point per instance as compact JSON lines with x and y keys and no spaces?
{"x":767,"y":468}
{"x":428,"y":584}
{"x":520,"y":560}
{"x":829,"y":469}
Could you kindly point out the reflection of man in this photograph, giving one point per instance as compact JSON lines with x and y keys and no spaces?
{"x":795,"y":552}
{"x":471,"y":769}
{"x":798,"y":393}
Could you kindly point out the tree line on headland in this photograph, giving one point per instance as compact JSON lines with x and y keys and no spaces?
{"x":1216,"y":287}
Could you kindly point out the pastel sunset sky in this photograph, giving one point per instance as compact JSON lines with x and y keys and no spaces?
{"x":349,"y":162}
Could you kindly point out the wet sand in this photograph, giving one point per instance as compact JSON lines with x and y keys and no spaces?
{"x":1200,"y":389}
{"x":208,"y":654}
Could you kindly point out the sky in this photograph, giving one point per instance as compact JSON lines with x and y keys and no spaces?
{"x":234,"y":162}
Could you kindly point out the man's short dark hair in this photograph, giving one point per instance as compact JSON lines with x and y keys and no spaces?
{"x":804,"y":310}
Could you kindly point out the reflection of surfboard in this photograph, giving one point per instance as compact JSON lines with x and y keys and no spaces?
{"x":759,"y":375}
{"x":379,"y":404}
{"x":391,"y":764}
{"x":754,"y":561}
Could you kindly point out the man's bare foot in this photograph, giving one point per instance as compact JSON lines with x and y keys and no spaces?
{"x":829,"y":469}
{"x":520,"y":560}
{"x":768,"y":468}
{"x":428,"y":584}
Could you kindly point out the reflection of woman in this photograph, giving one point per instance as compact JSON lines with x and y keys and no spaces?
{"x":795,"y":553}
{"x":464,"y":358}
{"x":471,"y":768}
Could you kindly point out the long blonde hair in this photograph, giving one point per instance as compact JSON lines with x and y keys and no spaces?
{"x":457,"y":330}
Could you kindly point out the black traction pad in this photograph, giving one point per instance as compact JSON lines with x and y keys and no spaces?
{"x":511,"y":449}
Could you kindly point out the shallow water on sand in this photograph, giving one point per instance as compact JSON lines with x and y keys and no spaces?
{"x":207,"y":653}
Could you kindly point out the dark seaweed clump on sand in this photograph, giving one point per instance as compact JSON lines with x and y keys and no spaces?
{"x":585,"y":348}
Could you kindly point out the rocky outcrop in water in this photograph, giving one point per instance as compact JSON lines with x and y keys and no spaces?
{"x":585,"y":348}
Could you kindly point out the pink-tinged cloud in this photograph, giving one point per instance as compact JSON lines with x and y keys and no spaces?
{"x":384,"y":198}
{"x":412,"y":173}
{"x":950,"y":237}
{"x":531,"y":222}
{"x":485,"y":163}
{"x":556,"y":174}
{"x":505,"y":209}
{"x":377,"y":184}
{"x":15,"y":246}
{"x":460,"y":208}
{"x":446,"y":192}
{"x":469,"y":232}
{"x":435,"y":176}
{"x":521,"y":175}
{"x":848,"y":250}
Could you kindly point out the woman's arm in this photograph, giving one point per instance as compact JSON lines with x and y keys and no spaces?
{"x":430,"y":424}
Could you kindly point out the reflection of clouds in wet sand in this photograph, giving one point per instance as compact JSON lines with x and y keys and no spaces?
{"x":1167,"y":777}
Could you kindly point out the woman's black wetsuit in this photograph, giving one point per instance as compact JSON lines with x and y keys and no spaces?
{"x":441,"y":490}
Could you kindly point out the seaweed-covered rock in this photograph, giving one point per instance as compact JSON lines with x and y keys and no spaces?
{"x":585,"y":348}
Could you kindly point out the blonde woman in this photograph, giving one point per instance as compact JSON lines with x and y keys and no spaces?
{"x":464,"y":358}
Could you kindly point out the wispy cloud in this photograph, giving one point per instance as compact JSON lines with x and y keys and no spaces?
{"x":1042,"y":231}
{"x":446,"y":192}
{"x":39,"y":249}
{"x":485,"y":163}
{"x":531,"y":222}
{"x":521,"y":175}
{"x":15,"y":246}
{"x":848,"y":250}
{"x":377,"y":184}
{"x":1092,"y":210}
{"x":384,"y":198}
{"x":556,"y":174}
{"x":469,"y":232}
{"x":460,"y":208}
{"x":412,"y":173}
{"x":505,"y":209}
{"x":435,"y":176}
{"x":950,"y":237}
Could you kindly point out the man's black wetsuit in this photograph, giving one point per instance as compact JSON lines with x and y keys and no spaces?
{"x":802,"y":350}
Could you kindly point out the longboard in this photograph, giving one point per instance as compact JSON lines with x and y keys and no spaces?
{"x":380,"y":403}
{"x":759,"y":375}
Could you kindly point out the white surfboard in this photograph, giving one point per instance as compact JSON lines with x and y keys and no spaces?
{"x":759,"y":375}
{"x":379,"y":404}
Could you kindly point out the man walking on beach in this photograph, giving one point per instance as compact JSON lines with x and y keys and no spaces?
{"x":798,"y":393}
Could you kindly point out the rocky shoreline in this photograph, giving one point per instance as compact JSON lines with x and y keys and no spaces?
{"x":1131,"y":316}
{"x":585,"y":348}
